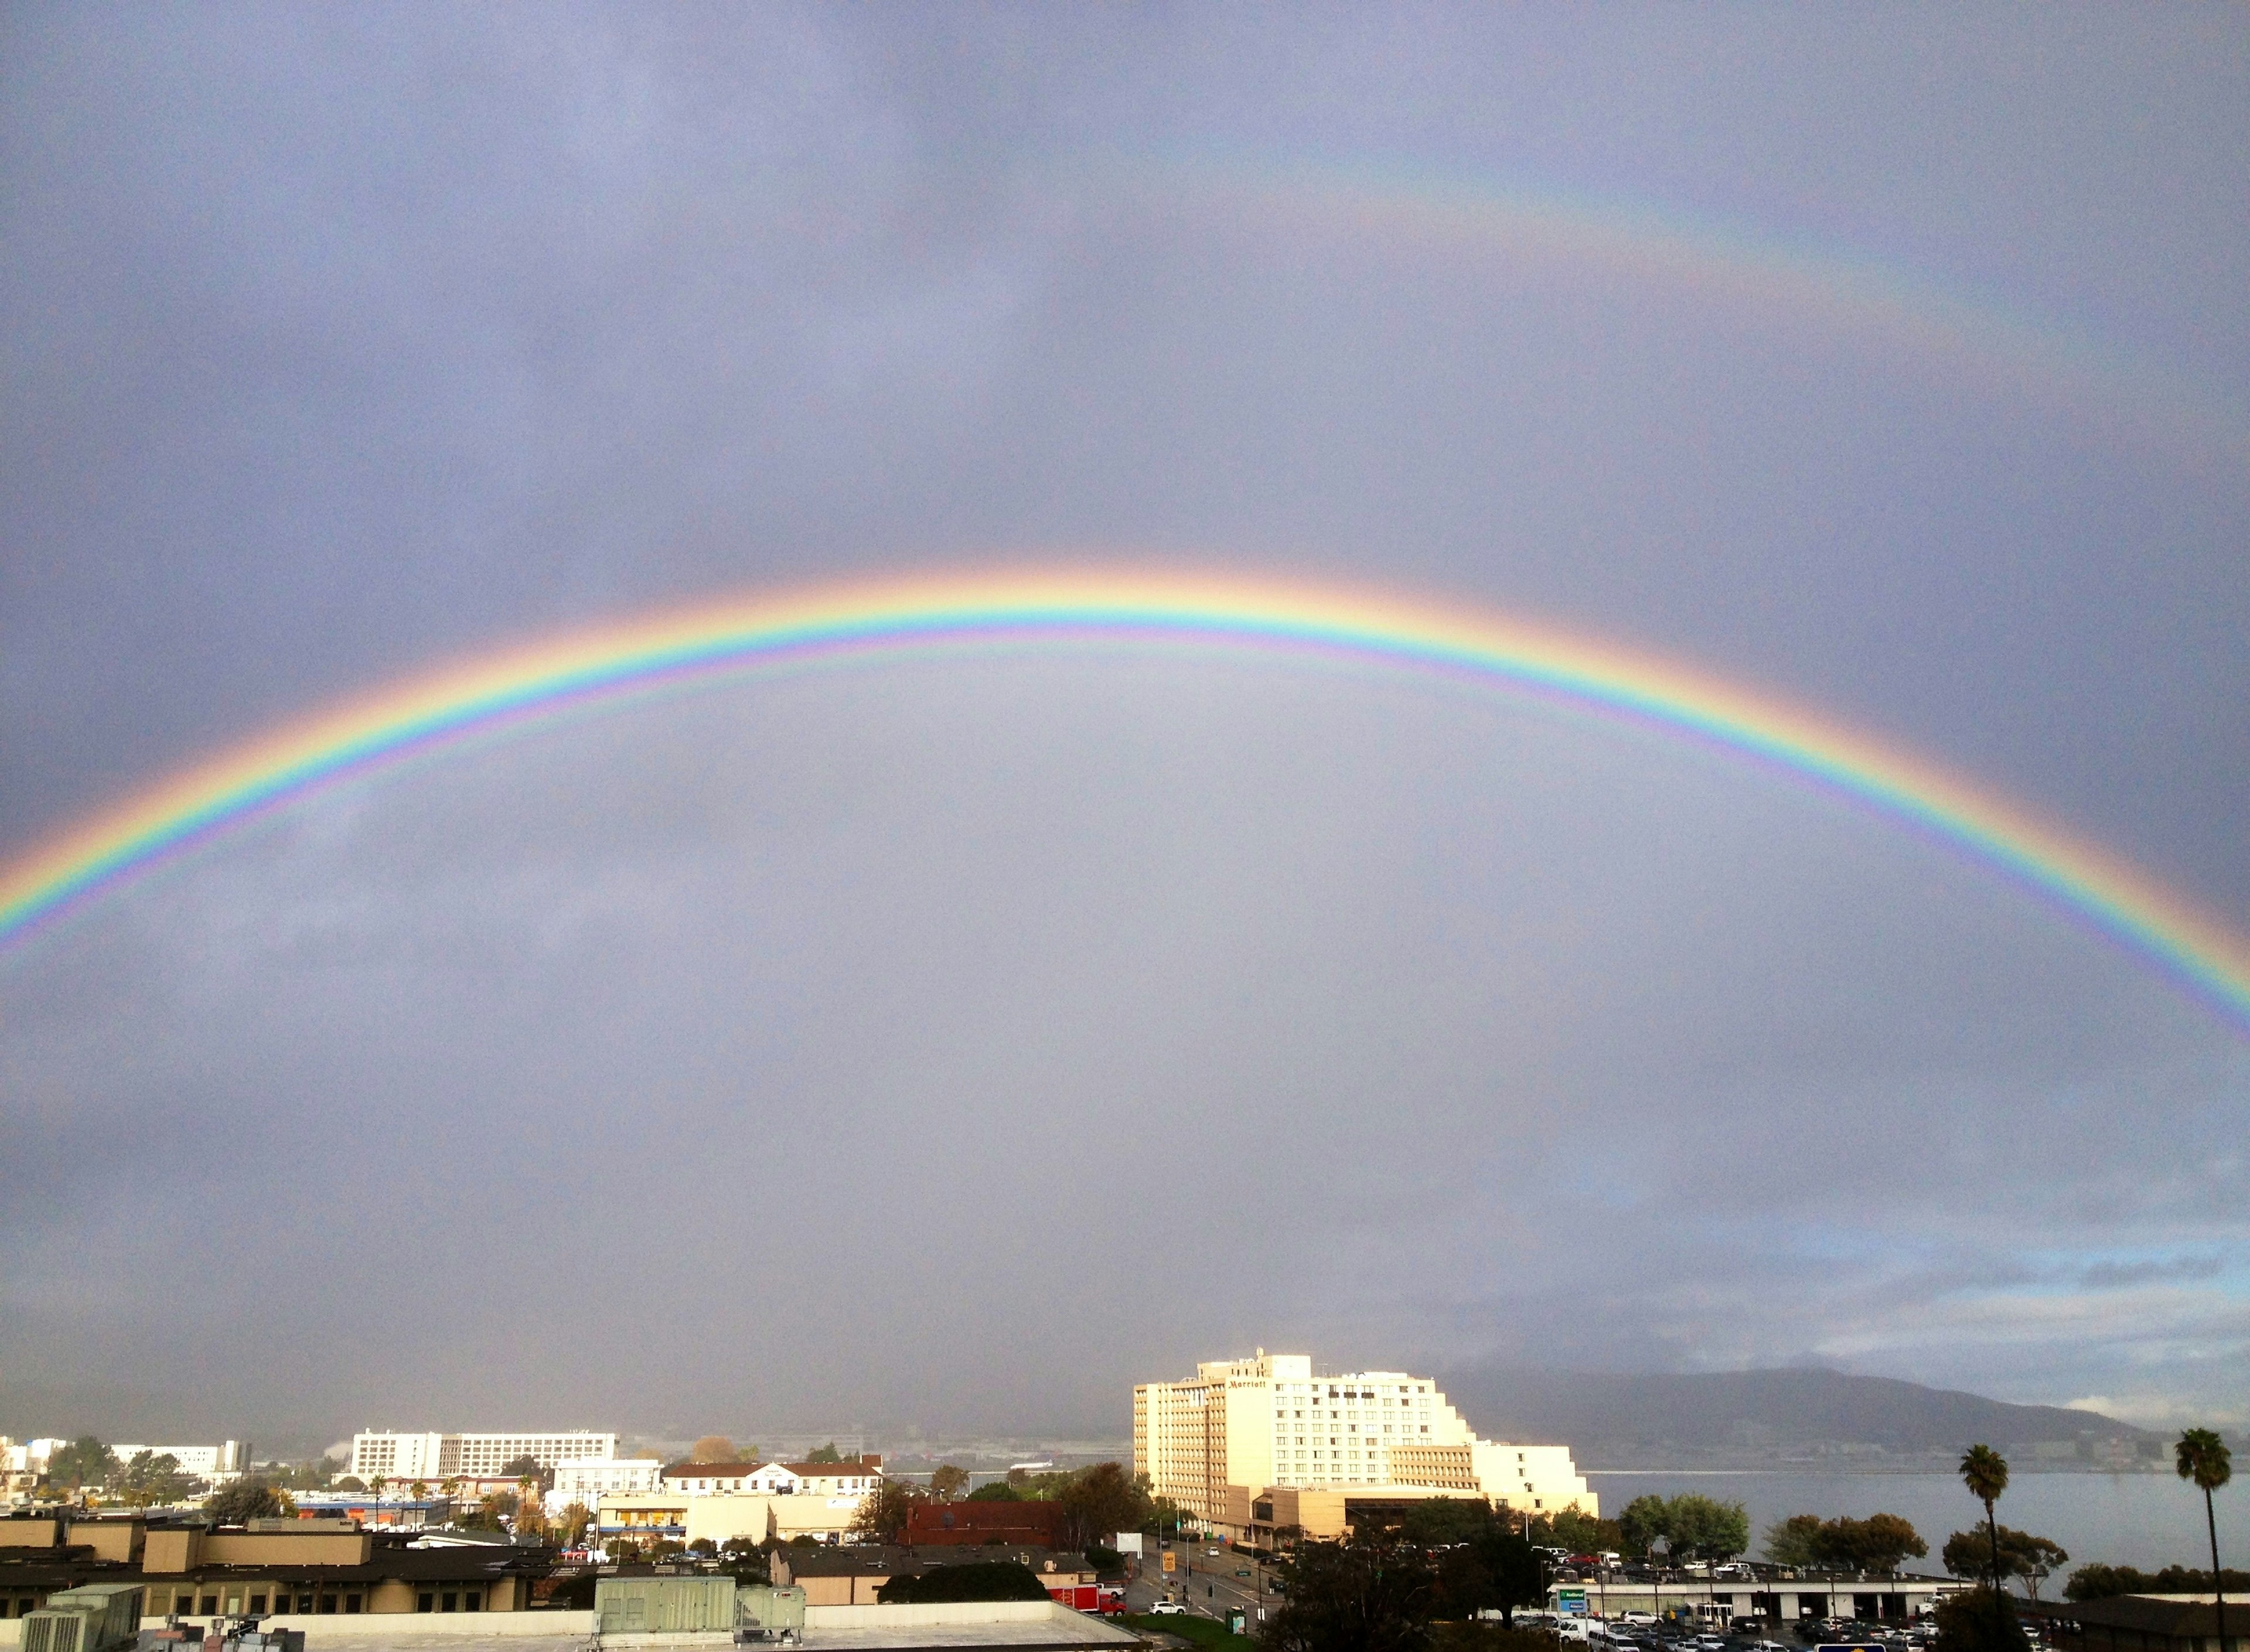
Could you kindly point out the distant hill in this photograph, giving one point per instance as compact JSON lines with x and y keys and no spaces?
{"x":1774,"y":1418}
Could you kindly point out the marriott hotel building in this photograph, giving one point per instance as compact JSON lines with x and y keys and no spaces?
{"x":1252,"y":1446}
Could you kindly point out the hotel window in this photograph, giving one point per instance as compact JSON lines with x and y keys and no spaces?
{"x":256,"y":1606}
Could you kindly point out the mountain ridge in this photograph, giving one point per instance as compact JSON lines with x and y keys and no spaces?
{"x":1793,"y":1418}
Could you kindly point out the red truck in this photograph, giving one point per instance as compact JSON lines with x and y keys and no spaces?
{"x":1089,"y":1597}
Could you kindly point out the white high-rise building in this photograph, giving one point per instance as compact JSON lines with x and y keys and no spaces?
{"x":1222,"y":1441}
{"x":439,"y":1456}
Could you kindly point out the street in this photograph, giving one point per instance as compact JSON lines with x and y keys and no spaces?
{"x":1206,"y":1583}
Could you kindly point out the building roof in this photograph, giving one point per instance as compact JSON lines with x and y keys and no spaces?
{"x":712,"y":1470}
{"x":831,"y":1470}
{"x":2181,"y":1616}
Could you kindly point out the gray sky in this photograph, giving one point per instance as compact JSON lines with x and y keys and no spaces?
{"x":845,"y":1045}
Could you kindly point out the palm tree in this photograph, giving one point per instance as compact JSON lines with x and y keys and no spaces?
{"x":1984,"y":1471}
{"x":2202,"y":1456}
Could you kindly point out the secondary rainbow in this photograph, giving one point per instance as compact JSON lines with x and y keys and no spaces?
{"x":1065,"y":609}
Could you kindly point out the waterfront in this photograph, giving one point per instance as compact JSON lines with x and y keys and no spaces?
{"x":2147,"y":1520}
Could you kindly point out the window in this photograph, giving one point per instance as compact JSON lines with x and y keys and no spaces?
{"x":211,"y":1606}
{"x":452,"y":1602}
{"x":472,"y":1601}
{"x":256,"y":1606}
{"x":327,"y":1603}
{"x":351,"y":1603}
{"x":425,"y":1600}
{"x":304,"y":1602}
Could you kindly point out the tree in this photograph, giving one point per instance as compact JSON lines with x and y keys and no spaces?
{"x":881,"y":1517}
{"x":974,"y":1581}
{"x":151,"y":1479}
{"x":1794,"y":1542}
{"x":530,"y":1505}
{"x":1437,"y":1522}
{"x":570,"y":1525}
{"x":1980,"y":1620}
{"x":1880,"y":1543}
{"x":1706,"y":1527}
{"x":947,"y":1483}
{"x":1984,"y":1471}
{"x":1364,"y":1594}
{"x":85,"y":1462}
{"x":713,"y":1447}
{"x":995,"y":1491}
{"x":1690,"y":1523}
{"x":827,"y":1454}
{"x":1481,"y":1563}
{"x":351,"y":1482}
{"x":317,"y":1475}
{"x":2097,"y":1582}
{"x":1876,"y":1544}
{"x":1644,"y":1520}
{"x":244,"y":1501}
{"x":2202,"y":1456}
{"x":493,"y":1512}
{"x":2023,"y":1554}
{"x":1577,"y":1532}
{"x":529,"y":1465}
{"x":1165,"y":1516}
{"x":1100,"y":1500}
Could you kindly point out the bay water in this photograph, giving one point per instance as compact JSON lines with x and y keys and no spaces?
{"x":2147,"y":1520}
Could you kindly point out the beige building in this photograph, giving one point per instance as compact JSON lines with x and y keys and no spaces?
{"x":751,"y":1502}
{"x":1242,"y":1436}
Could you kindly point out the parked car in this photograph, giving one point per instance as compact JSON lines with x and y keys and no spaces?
{"x":1167,"y":1609}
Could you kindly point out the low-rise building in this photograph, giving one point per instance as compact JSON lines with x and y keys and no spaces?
{"x":1778,"y":1595}
{"x":2138,"y":1623}
{"x":854,"y":1575}
{"x":274,"y":1568}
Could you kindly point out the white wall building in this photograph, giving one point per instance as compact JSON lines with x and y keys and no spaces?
{"x":439,"y":1456}
{"x":1238,"y":1427}
{"x":584,"y":1480}
{"x":216,"y":1463}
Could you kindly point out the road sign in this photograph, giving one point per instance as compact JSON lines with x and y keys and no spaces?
{"x":1570,"y":1602}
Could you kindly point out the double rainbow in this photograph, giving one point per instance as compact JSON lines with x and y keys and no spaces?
{"x":1059,"y":609}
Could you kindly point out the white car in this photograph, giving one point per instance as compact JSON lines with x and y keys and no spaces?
{"x":1167,"y":1609}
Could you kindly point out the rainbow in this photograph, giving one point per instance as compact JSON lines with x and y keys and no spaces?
{"x":1400,"y":205}
{"x":970,"y":612}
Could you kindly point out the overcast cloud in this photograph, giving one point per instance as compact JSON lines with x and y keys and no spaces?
{"x":954,"y":1041}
